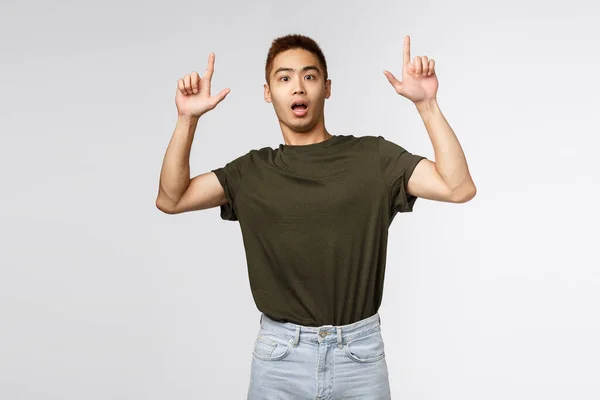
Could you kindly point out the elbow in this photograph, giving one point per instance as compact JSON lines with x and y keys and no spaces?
{"x":164,"y":207}
{"x":471,"y":194}
{"x":464,"y":194}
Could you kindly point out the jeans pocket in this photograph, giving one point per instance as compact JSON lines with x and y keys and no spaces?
{"x":366,"y":349}
{"x":271,"y":347}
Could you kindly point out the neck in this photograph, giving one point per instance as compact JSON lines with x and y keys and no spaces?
{"x":293,"y":137}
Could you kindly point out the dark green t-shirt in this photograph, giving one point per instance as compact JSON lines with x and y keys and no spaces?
{"x":314,"y":221}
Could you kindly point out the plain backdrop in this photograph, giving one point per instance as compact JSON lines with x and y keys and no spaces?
{"x":103,"y":296}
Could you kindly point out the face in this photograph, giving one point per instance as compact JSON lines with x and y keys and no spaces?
{"x":297,"y":75}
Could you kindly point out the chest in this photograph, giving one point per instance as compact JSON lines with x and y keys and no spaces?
{"x":286,"y":197}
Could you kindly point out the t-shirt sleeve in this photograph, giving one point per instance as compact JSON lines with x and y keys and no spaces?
{"x":230,"y":177}
{"x":397,"y":165}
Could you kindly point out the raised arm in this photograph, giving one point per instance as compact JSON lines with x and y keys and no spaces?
{"x":176,"y":191}
{"x":448,"y":178}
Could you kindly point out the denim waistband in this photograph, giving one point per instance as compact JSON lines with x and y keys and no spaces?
{"x":322,"y":334}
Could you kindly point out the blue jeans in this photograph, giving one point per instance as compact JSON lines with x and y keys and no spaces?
{"x":296,"y":362}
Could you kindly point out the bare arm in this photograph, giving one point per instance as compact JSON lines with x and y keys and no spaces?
{"x":176,"y":191}
{"x":448,"y":178}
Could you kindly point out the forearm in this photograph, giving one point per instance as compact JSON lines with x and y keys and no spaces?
{"x":175,"y":173}
{"x":450,"y":159}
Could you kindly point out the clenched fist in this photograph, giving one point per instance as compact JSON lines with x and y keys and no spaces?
{"x":193,"y":97}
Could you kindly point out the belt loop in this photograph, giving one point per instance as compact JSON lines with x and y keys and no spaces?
{"x":297,"y":336}
{"x":339,"y":336}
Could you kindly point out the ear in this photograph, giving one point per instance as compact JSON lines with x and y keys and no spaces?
{"x":267,"y":93}
{"x":328,"y":88}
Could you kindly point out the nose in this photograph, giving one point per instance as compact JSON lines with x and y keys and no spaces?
{"x":298,"y":88}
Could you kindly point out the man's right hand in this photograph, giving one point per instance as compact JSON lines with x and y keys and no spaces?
{"x":193,"y":97}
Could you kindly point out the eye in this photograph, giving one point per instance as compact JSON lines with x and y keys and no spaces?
{"x":282,"y":77}
{"x":312,"y":76}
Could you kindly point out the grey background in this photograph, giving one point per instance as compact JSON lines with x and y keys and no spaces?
{"x":102,"y":296}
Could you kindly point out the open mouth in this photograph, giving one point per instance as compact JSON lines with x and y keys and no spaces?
{"x":299,"y":108}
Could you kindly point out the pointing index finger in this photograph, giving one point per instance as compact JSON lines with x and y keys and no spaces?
{"x":406,"y":54}
{"x":211,"y":66}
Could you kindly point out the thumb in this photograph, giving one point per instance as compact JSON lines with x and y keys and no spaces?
{"x":222,"y":94}
{"x":393,"y":81}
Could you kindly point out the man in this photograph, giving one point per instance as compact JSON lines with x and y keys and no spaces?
{"x":314,"y":216}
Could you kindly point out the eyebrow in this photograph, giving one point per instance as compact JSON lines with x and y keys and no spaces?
{"x":307,"y":68}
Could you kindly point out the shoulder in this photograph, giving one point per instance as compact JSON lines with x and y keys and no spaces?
{"x":388,"y":147}
{"x":243,"y":158}
{"x":359,"y":142}
{"x":260,"y":155}
{"x":366,"y":140}
{"x":376,"y":144}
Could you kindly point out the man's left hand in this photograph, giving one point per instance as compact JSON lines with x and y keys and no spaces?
{"x":419,"y":81}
